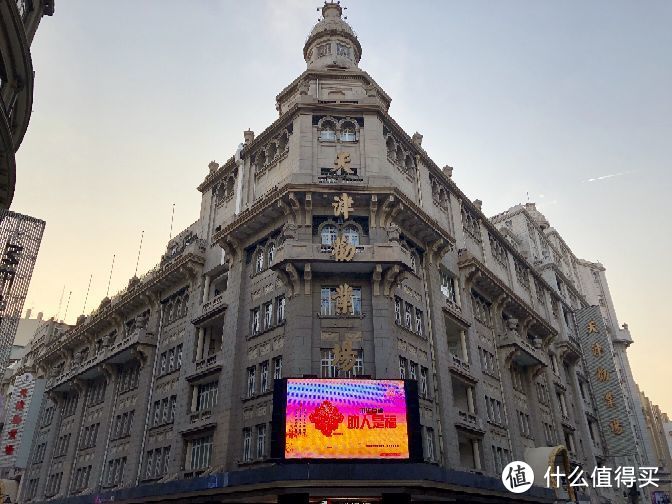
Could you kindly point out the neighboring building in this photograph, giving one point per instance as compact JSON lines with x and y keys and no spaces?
{"x":19,"y":20}
{"x":23,"y":397}
{"x":660,"y":431}
{"x":331,"y":228}
{"x":27,"y":327}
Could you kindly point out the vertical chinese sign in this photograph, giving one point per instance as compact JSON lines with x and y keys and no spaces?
{"x":16,"y":415}
{"x":604,"y":381}
{"x":20,"y":238}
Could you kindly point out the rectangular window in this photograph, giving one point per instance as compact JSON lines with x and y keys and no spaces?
{"x":171,"y":360}
{"x":413,"y":371}
{"x":357,"y":368}
{"x":328,"y":301}
{"x":255,"y":321}
{"x":397,"y":310}
{"x":164,"y":363}
{"x":418,"y":321}
{"x":261,"y":440}
{"x":247,"y":444}
{"x":207,"y":396}
{"x":178,"y":358}
{"x":424,"y":387}
{"x":263,"y":376}
{"x":430,"y":443}
{"x":150,"y":464}
{"x":448,"y":286}
{"x":408,"y":317}
{"x":403,"y":364}
{"x":280,"y":303}
{"x":356,"y":301}
{"x":201,"y":452}
{"x":157,"y":413}
{"x":173,"y":404}
{"x":327,"y":367}
{"x":164,"y":411}
{"x":277,"y":368}
{"x":268,"y":315}
{"x":251,"y":381}
{"x":166,"y":459}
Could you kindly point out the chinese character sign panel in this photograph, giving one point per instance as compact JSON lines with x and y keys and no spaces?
{"x":346,"y":419}
{"x":604,"y":381}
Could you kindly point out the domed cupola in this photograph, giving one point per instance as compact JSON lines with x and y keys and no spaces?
{"x":332,"y":44}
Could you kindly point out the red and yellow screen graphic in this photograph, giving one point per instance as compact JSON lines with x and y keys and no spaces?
{"x":346,"y":419}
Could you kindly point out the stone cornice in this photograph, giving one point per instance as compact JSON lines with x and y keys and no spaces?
{"x":333,"y":74}
{"x":149,"y":289}
{"x":467,"y":259}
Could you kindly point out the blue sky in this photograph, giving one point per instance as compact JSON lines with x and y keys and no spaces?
{"x":520,"y":97}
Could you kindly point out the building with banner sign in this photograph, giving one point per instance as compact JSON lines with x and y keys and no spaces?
{"x":341,"y":324}
{"x":19,"y":20}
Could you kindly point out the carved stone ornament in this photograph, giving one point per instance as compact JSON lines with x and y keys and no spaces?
{"x":393,"y":232}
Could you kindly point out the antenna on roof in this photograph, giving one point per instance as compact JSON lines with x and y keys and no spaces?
{"x":110,"y":279}
{"x":60,"y":302}
{"x":65,"y":316}
{"x":172,"y":217}
{"x":86,"y":298}
{"x":139,"y":250}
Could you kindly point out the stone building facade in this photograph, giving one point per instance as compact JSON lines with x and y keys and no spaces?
{"x":19,"y":20}
{"x":332,"y":227}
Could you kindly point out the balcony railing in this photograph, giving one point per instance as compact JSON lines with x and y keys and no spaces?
{"x":213,"y":304}
{"x":138,"y":336}
{"x":470,"y":421}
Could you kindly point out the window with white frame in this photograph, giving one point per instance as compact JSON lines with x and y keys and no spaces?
{"x":408,"y":315}
{"x":397,"y":310}
{"x":351,"y":234}
{"x":201,"y":453}
{"x":424,"y":385}
{"x":358,"y":367}
{"x":327,"y":367}
{"x":259,"y":261}
{"x":247,"y":444}
{"x":271,"y":253}
{"x":448,"y":286}
{"x":328,"y":234}
{"x":413,"y":370}
{"x":261,"y":440}
{"x":255,"y":321}
{"x":263,"y":376}
{"x":280,"y":310}
{"x":251,"y":381}
{"x":268,"y":315}
{"x":348,"y":133}
{"x":418,"y":321}
{"x":277,"y":368}
{"x":430,"y":443}
{"x":207,"y":396}
{"x":403,"y":364}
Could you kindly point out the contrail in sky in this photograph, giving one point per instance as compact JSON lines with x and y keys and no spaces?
{"x":611,"y":175}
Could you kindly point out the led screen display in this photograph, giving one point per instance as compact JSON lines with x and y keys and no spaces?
{"x":346,"y":419}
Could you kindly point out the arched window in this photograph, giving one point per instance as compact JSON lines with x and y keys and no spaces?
{"x":259,"y":261}
{"x":261,"y":160}
{"x":348,"y":133}
{"x":229,"y":187}
{"x":400,"y":155}
{"x":185,"y":305}
{"x":414,"y":261}
{"x":282,"y":141}
{"x":329,"y":234}
{"x":272,"y":151}
{"x":409,"y":162}
{"x":391,"y":148}
{"x":351,"y":234}
{"x":169,"y":312}
{"x":271,"y":253}
{"x":328,"y":131}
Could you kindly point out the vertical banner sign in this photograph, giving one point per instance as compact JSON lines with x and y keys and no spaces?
{"x":16,"y":410}
{"x":611,"y":408}
{"x":20,"y":238}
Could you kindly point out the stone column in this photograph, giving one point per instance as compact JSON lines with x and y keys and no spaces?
{"x":470,"y":400}
{"x":463,"y":342}
{"x":206,"y":288}
{"x":477,"y":454}
{"x":194,"y":398}
{"x":199,"y":347}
